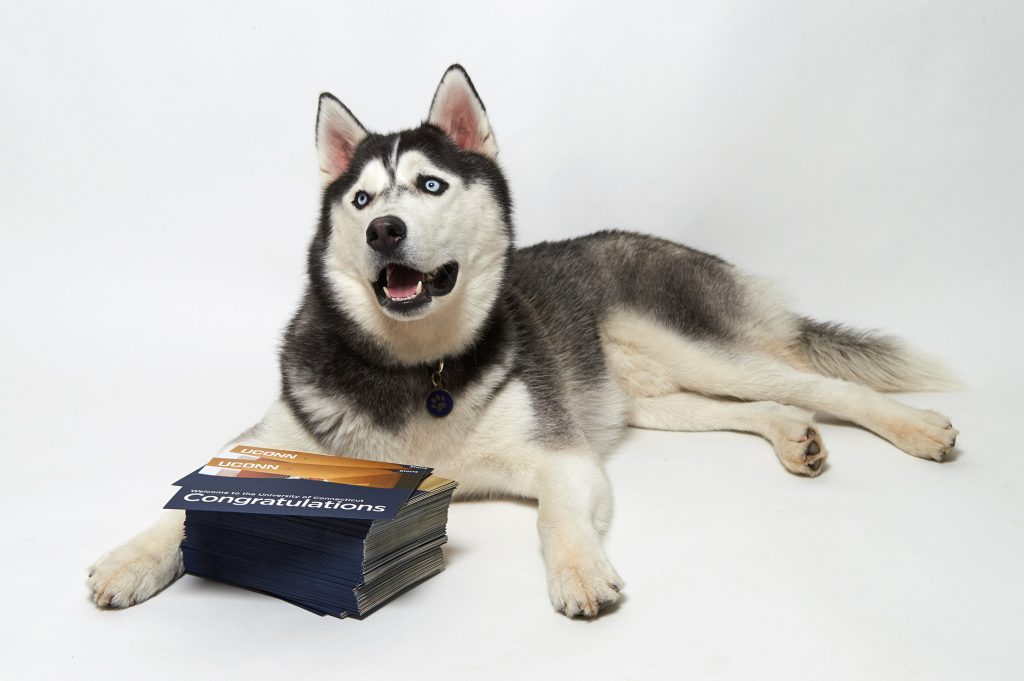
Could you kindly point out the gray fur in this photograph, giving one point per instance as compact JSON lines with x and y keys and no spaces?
{"x":877,"y":360}
{"x":562,"y":292}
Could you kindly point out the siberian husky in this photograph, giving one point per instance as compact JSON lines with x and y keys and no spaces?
{"x":545,"y":354}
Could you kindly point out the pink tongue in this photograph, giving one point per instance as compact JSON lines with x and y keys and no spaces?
{"x":402,"y":281}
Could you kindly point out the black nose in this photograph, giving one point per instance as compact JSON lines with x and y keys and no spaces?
{"x":385,"y":233}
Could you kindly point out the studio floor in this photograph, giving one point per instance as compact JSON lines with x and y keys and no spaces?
{"x":884,"y":567}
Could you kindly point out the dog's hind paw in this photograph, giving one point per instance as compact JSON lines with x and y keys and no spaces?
{"x":922,"y":433}
{"x":584,"y":587}
{"x":797,"y":442}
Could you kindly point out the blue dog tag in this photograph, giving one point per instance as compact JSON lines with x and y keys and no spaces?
{"x":440,"y":403}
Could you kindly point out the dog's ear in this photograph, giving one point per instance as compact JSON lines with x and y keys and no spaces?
{"x":458,"y":111}
{"x":338,"y":133}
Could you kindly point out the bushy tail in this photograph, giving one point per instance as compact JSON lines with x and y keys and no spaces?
{"x":870,"y":358}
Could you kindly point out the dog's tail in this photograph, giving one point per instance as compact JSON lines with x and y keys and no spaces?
{"x":870,"y":358}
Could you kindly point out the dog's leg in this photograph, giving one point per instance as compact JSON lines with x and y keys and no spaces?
{"x":502,"y":457}
{"x":574,"y":509}
{"x":141,"y":567}
{"x":719,"y":370}
{"x":789,"y":429}
{"x":919,"y":432}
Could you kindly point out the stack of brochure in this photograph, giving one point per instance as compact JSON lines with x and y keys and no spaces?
{"x":336,"y":536}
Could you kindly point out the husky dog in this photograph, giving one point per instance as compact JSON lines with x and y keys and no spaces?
{"x":547,"y":352}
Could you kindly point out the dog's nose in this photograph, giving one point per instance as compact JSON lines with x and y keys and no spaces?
{"x":385,"y":233}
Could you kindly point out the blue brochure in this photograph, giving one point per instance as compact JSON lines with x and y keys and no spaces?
{"x":379,"y":494}
{"x":332,"y":535}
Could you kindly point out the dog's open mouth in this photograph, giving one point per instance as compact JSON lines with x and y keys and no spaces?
{"x":403,"y":289}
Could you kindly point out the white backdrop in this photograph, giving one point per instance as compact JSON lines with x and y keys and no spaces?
{"x":159,"y":186}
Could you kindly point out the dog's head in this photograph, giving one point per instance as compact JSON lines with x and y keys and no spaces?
{"x":416,"y":225}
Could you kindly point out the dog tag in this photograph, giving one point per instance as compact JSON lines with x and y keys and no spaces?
{"x":440,"y":403}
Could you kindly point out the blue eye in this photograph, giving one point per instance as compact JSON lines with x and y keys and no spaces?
{"x":432,"y":185}
{"x":362,"y":198}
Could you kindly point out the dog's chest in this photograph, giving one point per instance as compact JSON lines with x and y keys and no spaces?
{"x":415,"y":435}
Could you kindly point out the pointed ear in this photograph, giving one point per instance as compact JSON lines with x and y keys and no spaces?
{"x":458,"y":111}
{"x":338,"y":133}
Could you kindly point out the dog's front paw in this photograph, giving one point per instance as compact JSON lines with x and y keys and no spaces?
{"x":922,"y":433}
{"x":583,"y":587}
{"x":132,"y":573}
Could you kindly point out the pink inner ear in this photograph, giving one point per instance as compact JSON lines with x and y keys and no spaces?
{"x":340,"y":148}
{"x":459,"y":119}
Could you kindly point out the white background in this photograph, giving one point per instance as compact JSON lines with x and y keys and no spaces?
{"x":158,"y":186}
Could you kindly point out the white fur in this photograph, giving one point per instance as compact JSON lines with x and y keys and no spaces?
{"x":138,"y":569}
{"x":789,"y":429}
{"x":393,"y":158}
{"x":768,"y":319}
{"x":574,"y":509}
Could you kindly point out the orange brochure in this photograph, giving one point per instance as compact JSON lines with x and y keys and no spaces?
{"x":265,"y":468}
{"x":252,"y":452}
